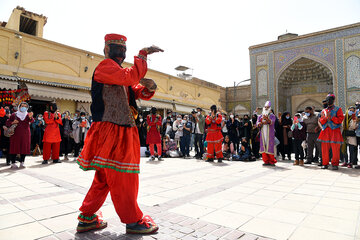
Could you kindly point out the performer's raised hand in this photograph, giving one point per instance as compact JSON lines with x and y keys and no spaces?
{"x":152,"y":49}
{"x":149,"y":84}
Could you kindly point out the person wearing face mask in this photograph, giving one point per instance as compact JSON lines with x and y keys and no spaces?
{"x":266,"y":123}
{"x":330,"y":135}
{"x":246,"y":127}
{"x":255,"y":137}
{"x":214,"y":136}
{"x":167,"y":127}
{"x":349,"y":126}
{"x":285,"y":139}
{"x":178,"y":128}
{"x":38,"y":126}
{"x":66,"y":134}
{"x":52,"y":137}
{"x":312,"y":134}
{"x":142,"y":129}
{"x":224,"y":129}
{"x":20,"y":141}
{"x":232,"y":126}
{"x":5,"y":141}
{"x":153,"y":134}
{"x":187,"y":129}
{"x":80,"y":129}
{"x":199,"y":133}
{"x":298,"y":129}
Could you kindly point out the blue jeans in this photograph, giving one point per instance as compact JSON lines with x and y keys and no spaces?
{"x":185,"y":145}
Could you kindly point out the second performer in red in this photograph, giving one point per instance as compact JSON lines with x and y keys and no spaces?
{"x":214,"y":136}
{"x":330,"y":136}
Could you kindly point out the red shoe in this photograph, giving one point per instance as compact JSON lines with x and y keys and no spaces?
{"x":344,"y":164}
{"x":349,"y":165}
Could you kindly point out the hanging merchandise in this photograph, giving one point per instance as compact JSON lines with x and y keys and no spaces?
{"x":9,"y":97}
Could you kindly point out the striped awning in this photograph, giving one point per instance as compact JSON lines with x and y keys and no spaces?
{"x":58,"y":93}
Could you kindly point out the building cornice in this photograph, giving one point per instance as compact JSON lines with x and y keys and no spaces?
{"x":332,"y":30}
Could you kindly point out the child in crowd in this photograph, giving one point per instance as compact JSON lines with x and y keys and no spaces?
{"x":298,"y":129}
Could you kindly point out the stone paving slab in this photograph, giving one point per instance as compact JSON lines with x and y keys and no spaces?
{"x":189,"y":199}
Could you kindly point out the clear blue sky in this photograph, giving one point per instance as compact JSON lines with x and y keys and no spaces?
{"x":212,"y":37}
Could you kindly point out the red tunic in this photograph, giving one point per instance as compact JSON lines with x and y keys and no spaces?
{"x":331,"y":132}
{"x":52,"y":130}
{"x":21,"y":140}
{"x":108,"y":145}
{"x":214,"y":134}
{"x":153,"y":135}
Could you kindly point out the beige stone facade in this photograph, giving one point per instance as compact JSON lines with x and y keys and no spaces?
{"x":61,"y":73}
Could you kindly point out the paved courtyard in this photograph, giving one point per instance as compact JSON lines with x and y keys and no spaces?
{"x":189,"y":199}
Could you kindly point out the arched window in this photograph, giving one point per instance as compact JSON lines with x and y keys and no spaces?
{"x":353,"y":72}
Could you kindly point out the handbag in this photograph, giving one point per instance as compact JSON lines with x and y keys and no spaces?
{"x":37,"y":150}
{"x":350,"y":133}
{"x":290,"y":134}
{"x":8,"y":132}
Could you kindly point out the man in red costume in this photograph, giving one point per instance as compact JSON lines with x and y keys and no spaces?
{"x":153,"y":134}
{"x":214,"y":136}
{"x":330,"y":135}
{"x":52,"y":136}
{"x":112,"y":145}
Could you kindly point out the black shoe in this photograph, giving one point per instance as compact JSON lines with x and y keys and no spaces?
{"x":45,"y":162}
{"x":220,"y":160}
{"x":266,"y":164}
{"x":272,"y":164}
{"x":56,"y":161}
{"x":334,"y":168}
{"x":160,"y":159}
{"x":210,"y":160}
{"x":144,"y":226}
{"x":325,"y":167}
{"x":307,"y":162}
{"x":85,"y":227}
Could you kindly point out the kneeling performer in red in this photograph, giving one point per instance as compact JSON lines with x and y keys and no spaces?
{"x":112,"y":145}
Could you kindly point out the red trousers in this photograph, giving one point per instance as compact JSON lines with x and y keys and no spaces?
{"x":325,"y":150}
{"x":152,"y":149}
{"x":123,"y":189}
{"x":268,"y":158}
{"x":52,"y":149}
{"x":218,"y":150}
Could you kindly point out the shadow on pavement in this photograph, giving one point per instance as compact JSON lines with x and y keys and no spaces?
{"x":109,"y":235}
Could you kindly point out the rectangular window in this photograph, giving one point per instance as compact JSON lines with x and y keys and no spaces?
{"x":28,"y":25}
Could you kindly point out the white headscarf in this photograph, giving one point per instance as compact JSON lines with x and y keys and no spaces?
{"x":22,"y":115}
